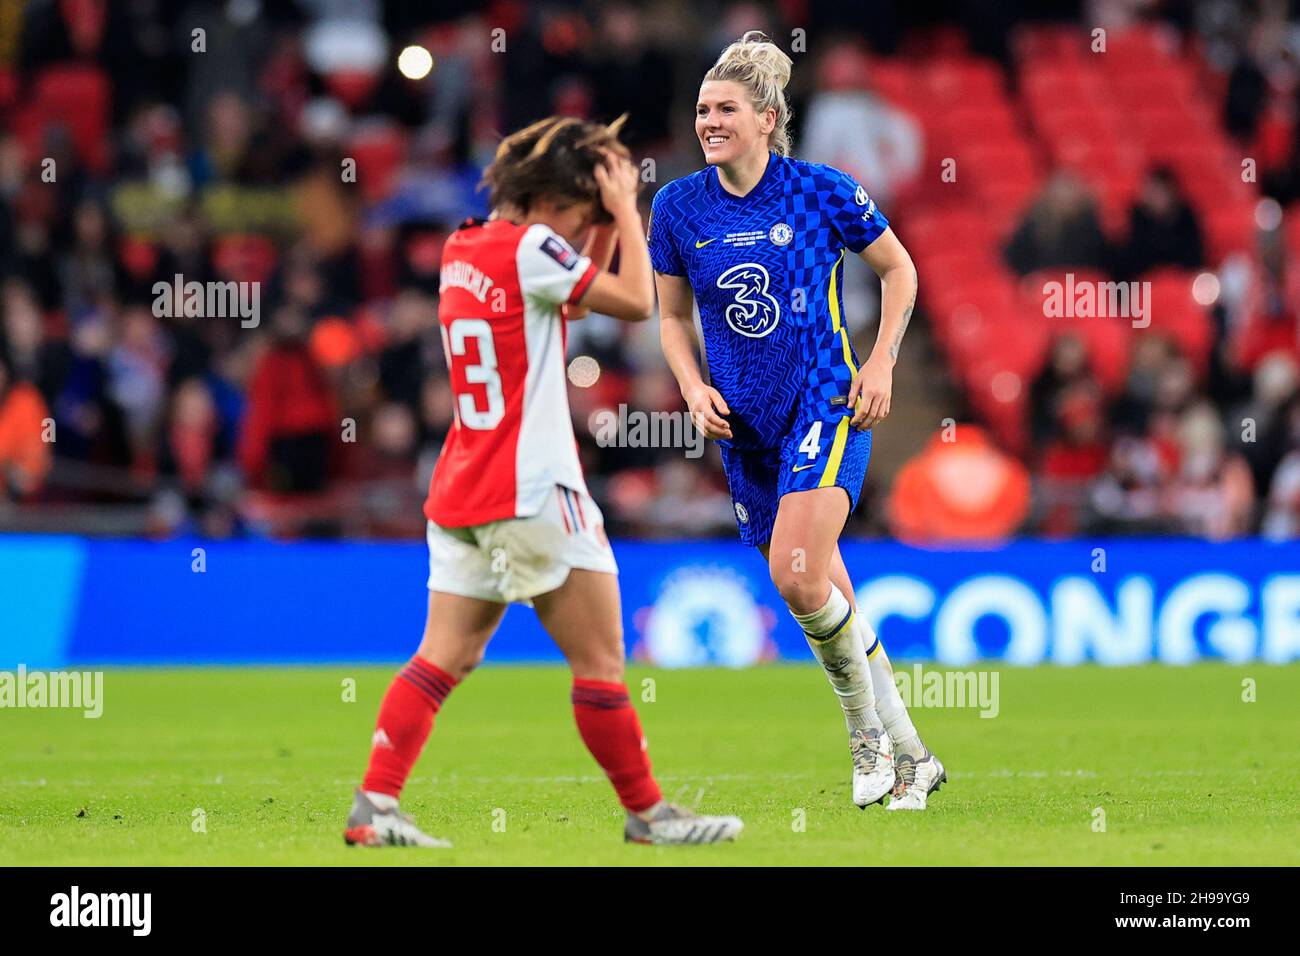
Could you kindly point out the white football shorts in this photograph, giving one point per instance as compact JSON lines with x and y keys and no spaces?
{"x":516,"y":559}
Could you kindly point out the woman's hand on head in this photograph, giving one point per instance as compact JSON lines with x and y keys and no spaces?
{"x":618,"y":182}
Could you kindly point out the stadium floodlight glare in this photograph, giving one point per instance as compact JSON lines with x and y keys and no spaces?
{"x":1268,"y":214}
{"x":1205,"y":289}
{"x":415,"y":62}
{"x":584,"y":371}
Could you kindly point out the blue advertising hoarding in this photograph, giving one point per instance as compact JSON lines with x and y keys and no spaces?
{"x":70,"y":601}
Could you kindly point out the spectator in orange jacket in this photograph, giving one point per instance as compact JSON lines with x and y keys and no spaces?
{"x":959,"y":488}
{"x":25,"y":455}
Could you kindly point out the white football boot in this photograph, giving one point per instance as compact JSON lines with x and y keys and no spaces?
{"x":916,"y":781}
{"x":873,"y":765}
{"x":676,"y":826}
{"x":368,"y":825}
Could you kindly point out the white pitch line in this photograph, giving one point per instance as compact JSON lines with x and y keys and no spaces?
{"x":454,"y":779}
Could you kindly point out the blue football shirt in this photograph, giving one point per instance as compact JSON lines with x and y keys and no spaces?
{"x":767,"y":274}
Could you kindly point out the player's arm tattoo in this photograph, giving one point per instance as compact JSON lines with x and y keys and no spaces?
{"x":907,"y":317}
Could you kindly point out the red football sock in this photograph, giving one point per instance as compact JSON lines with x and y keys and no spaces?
{"x":405,"y":719}
{"x":612,"y":732}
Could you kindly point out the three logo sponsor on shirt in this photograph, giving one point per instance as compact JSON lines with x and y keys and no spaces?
{"x":753,"y":312}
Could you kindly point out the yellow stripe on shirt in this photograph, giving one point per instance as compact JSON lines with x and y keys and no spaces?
{"x":836,"y":323}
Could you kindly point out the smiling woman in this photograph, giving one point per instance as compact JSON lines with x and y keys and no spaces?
{"x":742,"y":100}
{"x":788,"y":400}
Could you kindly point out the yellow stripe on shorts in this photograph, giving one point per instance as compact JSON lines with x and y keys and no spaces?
{"x":837,"y":453}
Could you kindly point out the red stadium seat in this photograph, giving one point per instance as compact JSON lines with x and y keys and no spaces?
{"x":1051,"y":85}
{"x":1210,"y":182}
{"x":1007,"y":201}
{"x":1005,"y":159}
{"x":956,"y":306}
{"x":1000,"y":396}
{"x":138,"y":256}
{"x":946,"y":41}
{"x":968,"y":82}
{"x":1228,"y":227}
{"x":1174,"y":312}
{"x":939,"y":230}
{"x":1191,"y":160}
{"x":1140,"y":45}
{"x":1091,"y":147}
{"x":1005,"y":178}
{"x":353,"y":87}
{"x":74,"y":96}
{"x":1168,"y":85}
{"x":1105,"y":338}
{"x":1223,"y":163}
{"x":1113,"y":177}
{"x":961,"y":318}
{"x":969,"y":333}
{"x":1291,"y":227}
{"x":380,"y":150}
{"x":8,"y":88}
{"x":1108,"y":118}
{"x":1163,"y":131}
{"x":955,"y":129}
{"x":894,"y":79}
{"x":962,"y":268}
{"x":1107,"y":342}
{"x":1070,"y":118}
{"x":1274,"y":140}
{"x":1049,"y":43}
{"x":424,"y":252}
{"x":1023,"y":344}
{"x":976,"y":336}
{"x":244,"y":258}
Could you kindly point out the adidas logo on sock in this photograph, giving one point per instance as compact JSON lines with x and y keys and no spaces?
{"x":380,"y":739}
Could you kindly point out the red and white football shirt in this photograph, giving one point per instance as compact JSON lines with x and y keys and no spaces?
{"x":512,"y":442}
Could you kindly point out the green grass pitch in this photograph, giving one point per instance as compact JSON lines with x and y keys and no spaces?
{"x":264,"y":760}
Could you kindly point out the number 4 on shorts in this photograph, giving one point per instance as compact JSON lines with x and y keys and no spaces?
{"x":812,"y":441}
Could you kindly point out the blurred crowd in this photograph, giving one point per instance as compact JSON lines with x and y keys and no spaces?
{"x":128,"y":157}
{"x":1199,"y":439}
{"x":1207,"y":451}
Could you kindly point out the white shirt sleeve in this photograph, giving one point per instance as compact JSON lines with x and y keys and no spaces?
{"x":550,"y":269}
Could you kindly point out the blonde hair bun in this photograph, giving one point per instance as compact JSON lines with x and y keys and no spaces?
{"x":763,"y":69}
